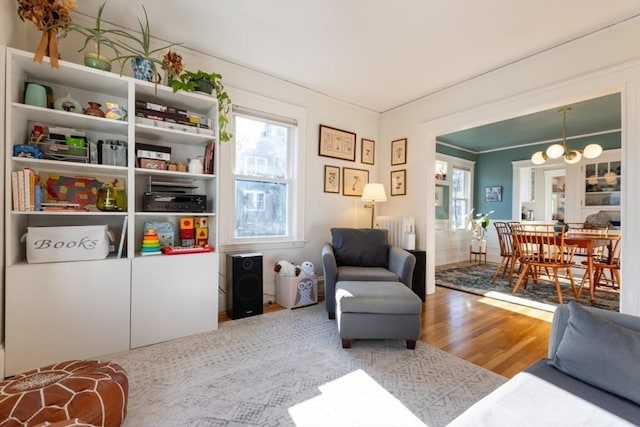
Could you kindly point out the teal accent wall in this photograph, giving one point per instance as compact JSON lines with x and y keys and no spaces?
{"x":495,"y":169}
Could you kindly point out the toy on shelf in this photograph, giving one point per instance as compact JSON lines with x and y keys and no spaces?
{"x":150,"y":243}
{"x":187,"y":231}
{"x":178,"y":250}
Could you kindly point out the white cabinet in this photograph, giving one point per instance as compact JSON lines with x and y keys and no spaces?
{"x":65,"y":310}
{"x":601,"y":180}
{"x":173,"y":296}
{"x":98,"y":294}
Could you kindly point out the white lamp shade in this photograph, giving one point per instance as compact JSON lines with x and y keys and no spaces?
{"x":555,"y":151}
{"x":374,"y":192}
{"x":592,"y":151}
{"x":538,"y":158}
{"x":572,"y":157}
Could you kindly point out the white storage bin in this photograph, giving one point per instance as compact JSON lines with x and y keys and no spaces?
{"x":293,"y":292}
{"x":75,"y":243}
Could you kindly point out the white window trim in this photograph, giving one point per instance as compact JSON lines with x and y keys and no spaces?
{"x":227,"y":241}
{"x":459,"y":163}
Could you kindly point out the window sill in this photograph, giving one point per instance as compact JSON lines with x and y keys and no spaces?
{"x":258,"y":245}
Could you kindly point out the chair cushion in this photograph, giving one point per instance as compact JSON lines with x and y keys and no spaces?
{"x":366,"y":274}
{"x":600,"y":353}
{"x":363,"y":247}
{"x":377,"y":297}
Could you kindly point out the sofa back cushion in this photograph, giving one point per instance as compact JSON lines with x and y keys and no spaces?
{"x":600,"y":353}
{"x":363,"y":247}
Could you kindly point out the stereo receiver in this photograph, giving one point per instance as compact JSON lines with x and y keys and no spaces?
{"x":173,"y":202}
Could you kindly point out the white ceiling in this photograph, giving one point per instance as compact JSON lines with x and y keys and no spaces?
{"x":378,"y":54}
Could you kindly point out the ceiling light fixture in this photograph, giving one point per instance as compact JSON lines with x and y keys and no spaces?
{"x":556,"y":151}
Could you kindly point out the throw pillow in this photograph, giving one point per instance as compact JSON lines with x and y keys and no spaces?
{"x":600,"y":353}
{"x":360,"y":247}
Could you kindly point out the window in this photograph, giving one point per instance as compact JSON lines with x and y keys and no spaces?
{"x":460,"y":196}
{"x":458,"y":174}
{"x":262,"y":177}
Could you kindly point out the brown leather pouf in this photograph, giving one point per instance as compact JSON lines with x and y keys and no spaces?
{"x":93,"y":392}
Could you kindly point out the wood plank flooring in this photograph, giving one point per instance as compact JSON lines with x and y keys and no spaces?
{"x":502,"y":337}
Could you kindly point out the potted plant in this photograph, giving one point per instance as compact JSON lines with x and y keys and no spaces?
{"x":139,"y":51}
{"x":205,"y":82}
{"x":99,"y":36}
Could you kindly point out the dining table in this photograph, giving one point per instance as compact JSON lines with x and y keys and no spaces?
{"x":589,"y":241}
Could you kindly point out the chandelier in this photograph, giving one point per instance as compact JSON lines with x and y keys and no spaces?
{"x":556,"y":151}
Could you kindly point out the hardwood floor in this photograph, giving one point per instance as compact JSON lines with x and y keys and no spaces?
{"x":502,"y":337}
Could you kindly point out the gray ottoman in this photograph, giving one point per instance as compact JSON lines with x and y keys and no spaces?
{"x":377,"y":310}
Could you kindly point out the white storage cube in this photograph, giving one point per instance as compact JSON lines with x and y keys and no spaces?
{"x":74,"y":243}
{"x":293,"y":292}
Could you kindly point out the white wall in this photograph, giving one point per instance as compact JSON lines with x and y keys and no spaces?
{"x":599,"y":64}
{"x":322,"y":210}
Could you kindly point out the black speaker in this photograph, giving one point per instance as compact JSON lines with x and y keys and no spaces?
{"x":418,"y":284}
{"x":244,"y":285}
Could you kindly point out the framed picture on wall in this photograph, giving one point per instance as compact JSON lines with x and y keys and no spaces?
{"x":331,"y":179}
{"x":337,"y":143}
{"x":368,"y":151}
{"x":353,"y":181}
{"x":493,"y":194}
{"x":399,"y":152}
{"x":398,"y":182}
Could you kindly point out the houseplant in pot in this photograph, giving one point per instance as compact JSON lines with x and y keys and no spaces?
{"x":208,"y":83}
{"x":138,"y":50}
{"x":99,"y":37}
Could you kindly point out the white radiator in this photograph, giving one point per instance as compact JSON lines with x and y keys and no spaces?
{"x":401,"y":230}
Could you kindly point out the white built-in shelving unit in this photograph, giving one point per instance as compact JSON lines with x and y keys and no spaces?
{"x":86,"y":309}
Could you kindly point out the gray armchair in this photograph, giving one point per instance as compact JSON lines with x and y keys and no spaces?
{"x":362,"y":255}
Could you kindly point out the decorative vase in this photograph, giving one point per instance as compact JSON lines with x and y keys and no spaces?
{"x":561,"y":226}
{"x":67,"y":103}
{"x":142,"y":69}
{"x":100,"y":62}
{"x":35,"y":95}
{"x":479,"y":245}
{"x":94,"y":110}
{"x":115,"y":111}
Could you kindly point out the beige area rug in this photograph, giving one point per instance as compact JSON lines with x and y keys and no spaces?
{"x":288,"y":368}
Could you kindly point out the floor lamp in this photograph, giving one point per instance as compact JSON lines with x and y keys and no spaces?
{"x":373,"y":192}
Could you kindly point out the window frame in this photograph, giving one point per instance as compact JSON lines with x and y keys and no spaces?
{"x":463,"y":164}
{"x":258,"y":107}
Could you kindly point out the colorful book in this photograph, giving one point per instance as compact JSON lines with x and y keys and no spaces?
{"x":21,"y":203}
{"x":14,"y":190}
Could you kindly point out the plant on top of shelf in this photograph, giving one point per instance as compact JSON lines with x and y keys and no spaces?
{"x":48,"y":16}
{"x":139,"y":51}
{"x":201,"y":81}
{"x":99,"y":36}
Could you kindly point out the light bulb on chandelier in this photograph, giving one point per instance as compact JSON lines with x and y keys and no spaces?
{"x":555,"y":151}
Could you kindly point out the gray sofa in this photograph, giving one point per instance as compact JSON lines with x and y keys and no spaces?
{"x":591,"y":377}
{"x":362,"y":255}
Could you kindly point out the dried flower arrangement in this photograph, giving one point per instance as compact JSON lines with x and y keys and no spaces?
{"x":172,"y":64}
{"x":48,"y":16}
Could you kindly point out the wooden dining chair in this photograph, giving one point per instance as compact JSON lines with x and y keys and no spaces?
{"x":507,"y":252}
{"x":541,"y":249}
{"x":608,"y":259}
{"x":580,"y":254}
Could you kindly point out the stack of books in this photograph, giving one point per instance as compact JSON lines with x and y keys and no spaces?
{"x":26,"y":191}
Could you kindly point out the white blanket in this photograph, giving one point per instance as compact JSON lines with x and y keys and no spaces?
{"x":528,"y":401}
